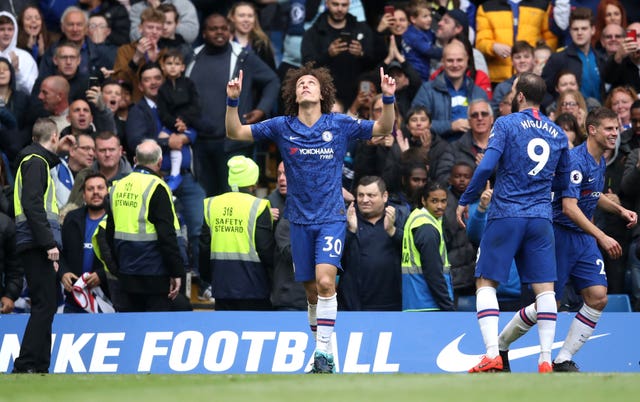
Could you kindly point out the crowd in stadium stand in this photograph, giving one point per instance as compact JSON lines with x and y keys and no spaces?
{"x":112,"y":74}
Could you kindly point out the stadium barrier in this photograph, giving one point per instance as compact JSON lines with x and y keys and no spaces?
{"x":280,"y":342}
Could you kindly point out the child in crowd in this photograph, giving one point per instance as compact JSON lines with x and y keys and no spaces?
{"x":418,"y":40}
{"x":541,"y":54}
{"x":170,"y":38}
{"x":178,"y":106}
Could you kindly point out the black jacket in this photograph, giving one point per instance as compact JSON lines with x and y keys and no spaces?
{"x":344,"y":67}
{"x":620,"y":75}
{"x":11,"y":271}
{"x":568,"y":59}
{"x":34,"y":178}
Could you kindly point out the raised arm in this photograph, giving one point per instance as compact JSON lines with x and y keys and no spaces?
{"x":384,"y":124}
{"x":235,"y":129}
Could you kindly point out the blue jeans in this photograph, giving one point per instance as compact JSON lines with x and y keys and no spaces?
{"x":191,"y":197}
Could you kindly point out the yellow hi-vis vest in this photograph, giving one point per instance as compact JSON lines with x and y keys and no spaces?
{"x":237,"y":272}
{"x":232,"y":220}
{"x":135,"y":237}
{"x":416,"y":295}
{"x":23,"y":231}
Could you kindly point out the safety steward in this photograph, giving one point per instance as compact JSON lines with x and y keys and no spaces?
{"x":38,"y":240}
{"x":426,"y":281}
{"x":237,"y":237}
{"x":143,"y":232}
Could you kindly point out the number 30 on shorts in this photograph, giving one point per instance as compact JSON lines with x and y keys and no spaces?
{"x":332,"y":245}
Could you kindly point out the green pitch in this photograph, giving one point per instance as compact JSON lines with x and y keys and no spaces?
{"x":582,"y":387}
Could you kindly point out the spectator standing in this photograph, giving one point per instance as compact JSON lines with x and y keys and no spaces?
{"x":188,"y":17}
{"x":80,"y":157}
{"x":436,"y":152}
{"x":373,"y":248}
{"x":216,"y":62}
{"x":170,"y":38}
{"x":286,"y":293}
{"x":133,"y":56}
{"x":246,"y":30}
{"x":33,"y":35}
{"x":501,"y":23}
{"x":178,"y":107}
{"x":22,"y":62}
{"x":38,"y":240}
{"x":522,"y":58}
{"x":144,"y":123}
{"x":16,"y":134}
{"x":460,"y":252}
{"x":116,"y":15}
{"x":447,"y":96}
{"x":579,"y":57}
{"x":110,"y":162}
{"x":471,"y":146}
{"x":342,"y":44}
{"x":622,"y":69}
{"x":75,"y":25}
{"x":11,"y":270}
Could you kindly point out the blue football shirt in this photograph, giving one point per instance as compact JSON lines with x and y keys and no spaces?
{"x":532,"y":148}
{"x":313,"y":158}
{"x":585,"y":184}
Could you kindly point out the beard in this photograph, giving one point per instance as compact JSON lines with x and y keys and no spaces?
{"x":515,"y":107}
{"x":96,"y":207}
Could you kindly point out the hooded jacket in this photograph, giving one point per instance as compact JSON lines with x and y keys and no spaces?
{"x":27,"y":71}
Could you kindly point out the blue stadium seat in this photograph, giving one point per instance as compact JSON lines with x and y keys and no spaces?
{"x":618,"y":303}
{"x":466,"y":303}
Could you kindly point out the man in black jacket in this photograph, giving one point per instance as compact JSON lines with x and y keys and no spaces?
{"x":574,"y":57}
{"x":77,"y":248}
{"x":342,"y":44}
{"x":37,"y":242}
{"x":215,"y":62}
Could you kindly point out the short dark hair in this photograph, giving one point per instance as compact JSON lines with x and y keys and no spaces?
{"x":172,"y":53}
{"x":635,"y":104}
{"x":418,"y":109}
{"x":4,"y":20}
{"x":432,"y":185}
{"x":581,"y":13}
{"x":532,"y":87}
{"x":146,"y":67}
{"x":463,"y":163}
{"x":169,"y":8}
{"x":595,"y":117}
{"x":93,"y":175}
{"x":107,"y":135}
{"x":521,"y":47}
{"x":367,"y":180}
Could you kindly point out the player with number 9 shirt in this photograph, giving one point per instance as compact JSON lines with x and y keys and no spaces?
{"x":531,"y":156}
